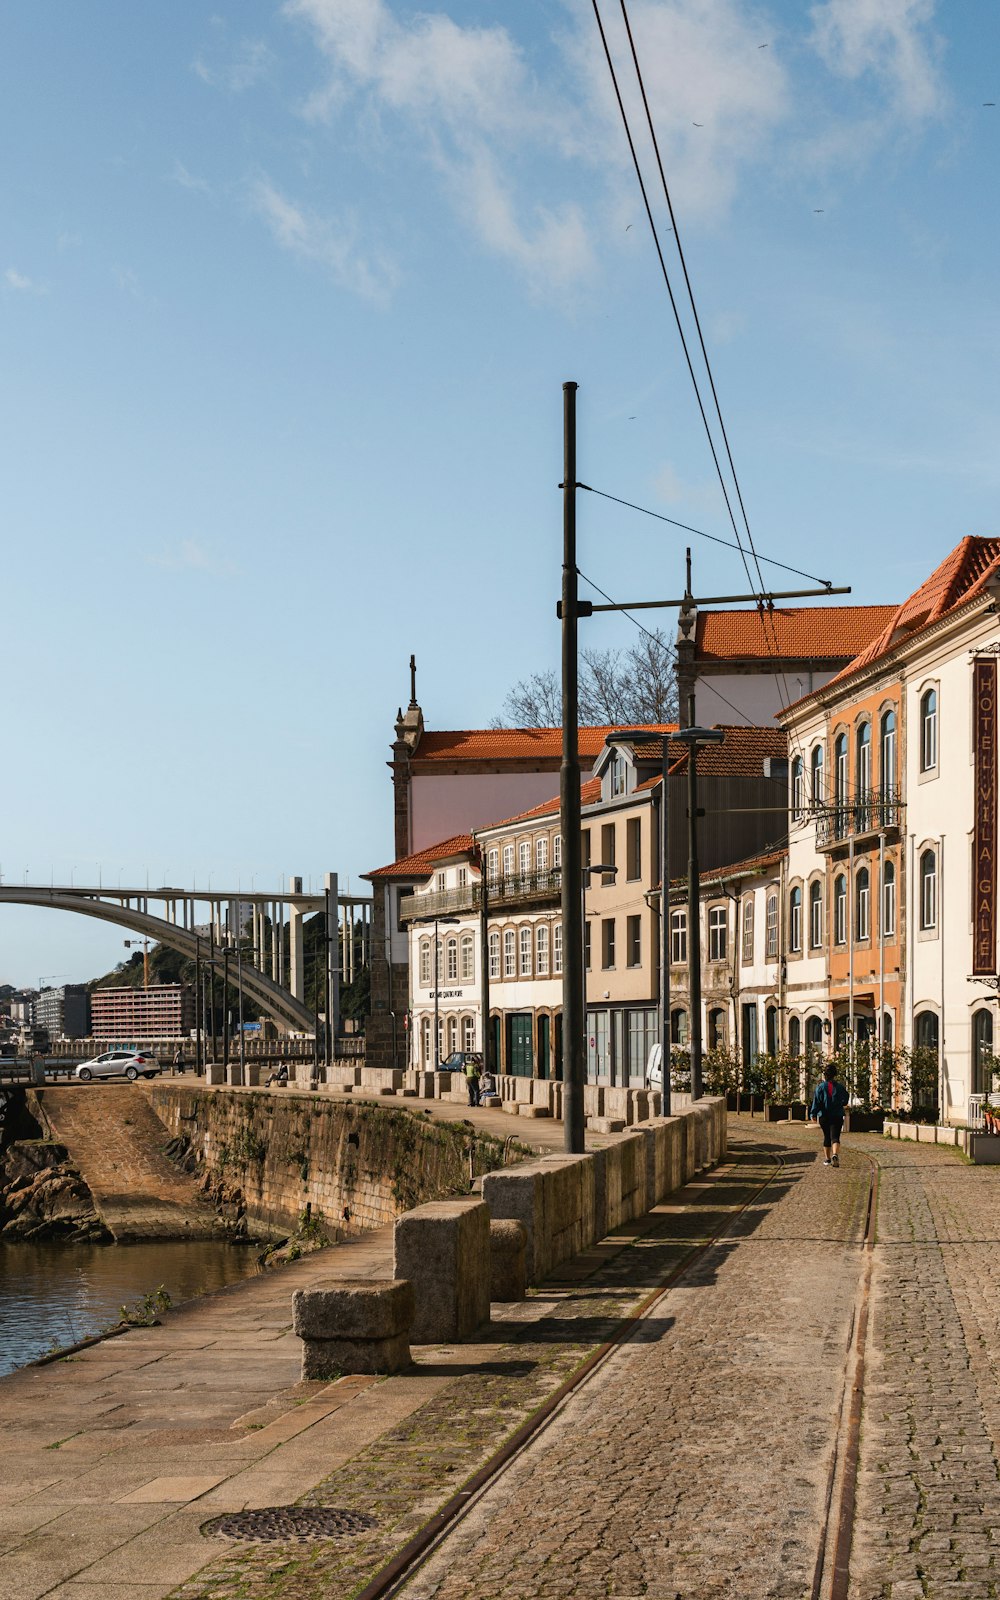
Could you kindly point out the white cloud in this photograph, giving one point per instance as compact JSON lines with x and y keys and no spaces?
{"x":187,"y":180}
{"x":187,"y":555}
{"x":128,"y":282}
{"x":333,"y":245}
{"x":891,"y":40}
{"x":24,"y":285}
{"x":252,"y":62}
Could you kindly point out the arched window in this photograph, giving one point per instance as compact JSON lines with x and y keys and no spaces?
{"x":887,"y":754}
{"x":716,"y":1028}
{"x":509,"y":954}
{"x":928,"y":731}
{"x":524,"y":859}
{"x":508,"y":860}
{"x":771,"y":919}
{"x":925,"y":1030}
{"x":494,"y":955}
{"x":678,"y":938}
{"x":982,"y":1052}
{"x":467,"y":958}
{"x":557,"y":850}
{"x":862,"y":904}
{"x":425,"y":963}
{"x":557,"y":947}
{"x":452,"y":1035}
{"x":492,"y":864}
{"x":840,"y":909}
{"x":542,"y":950}
{"x":451,"y":961}
{"x":889,"y":901}
{"x":425,"y":1034}
{"x":468,"y":1033}
{"x":814,"y":1038}
{"x":525,"y":952}
{"x":542,"y":853}
{"x":863,"y":776}
{"x":748,"y":928}
{"x":798,"y":787}
{"x":887,"y":1030}
{"x":795,"y":920}
{"x":816,"y":772}
{"x":926,"y":1060}
{"x":840,"y":780}
{"x":928,"y":889}
{"x":815,"y":914}
{"x":794,"y":1038}
{"x":679,"y":1026}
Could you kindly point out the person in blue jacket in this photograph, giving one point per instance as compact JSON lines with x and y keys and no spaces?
{"x":828,"y":1106}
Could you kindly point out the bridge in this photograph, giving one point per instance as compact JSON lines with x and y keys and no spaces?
{"x":223,"y":931}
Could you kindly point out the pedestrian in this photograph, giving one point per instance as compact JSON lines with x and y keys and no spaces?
{"x":829,"y":1103}
{"x":179,"y":1060}
{"x":472,"y":1079}
{"x":487,"y":1086}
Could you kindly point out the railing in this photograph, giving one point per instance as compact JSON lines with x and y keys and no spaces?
{"x":517,"y":889}
{"x":871,"y":811}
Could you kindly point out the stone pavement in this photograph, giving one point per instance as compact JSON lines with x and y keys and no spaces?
{"x":695,"y":1462}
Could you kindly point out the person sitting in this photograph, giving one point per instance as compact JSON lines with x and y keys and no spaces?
{"x":279,"y":1076}
{"x":487,"y":1085}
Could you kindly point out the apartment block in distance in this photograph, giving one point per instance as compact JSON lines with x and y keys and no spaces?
{"x":163,"y":1011}
{"x":64,"y":1013}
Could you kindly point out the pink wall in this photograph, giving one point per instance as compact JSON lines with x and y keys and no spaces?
{"x":441,"y":806}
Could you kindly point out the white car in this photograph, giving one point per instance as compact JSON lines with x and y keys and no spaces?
{"x":654,"y":1069}
{"x":129,"y":1064}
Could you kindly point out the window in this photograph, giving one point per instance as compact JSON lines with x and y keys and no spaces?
{"x":525,"y":942}
{"x":542,"y":950}
{"x":863,"y":776}
{"x":509,"y":954}
{"x":607,"y":942}
{"x":586,"y":946}
{"x":718,"y":929}
{"x":748,"y":928}
{"x":889,"y":901}
{"x":794,"y":1038}
{"x":840,"y":909}
{"x":542,"y":853}
{"x":634,"y":941}
{"x":451,"y":961}
{"x":508,"y":860}
{"x":617,"y":774}
{"x":928,"y":731}
{"x":840,"y":776}
{"x":524,"y":859}
{"x":425,"y":962}
{"x":585,"y":847}
{"x":816,"y":774}
{"x":452,"y":1034}
{"x":557,"y":850}
{"x":716,"y":1029}
{"x":633,"y":848}
{"x":887,"y":752}
{"x":772,"y":927}
{"x":679,"y":938}
{"x":795,"y":920}
{"x":467,"y":957}
{"x":440,"y":880}
{"x":607,"y":850}
{"x":557,"y":947}
{"x":493,"y":864}
{"x":426,"y":1034}
{"x":815,"y":915}
{"x":468,"y":1033}
{"x":928,"y":889}
{"x":463,"y":877}
{"x":798,"y":787}
{"x":862,"y":907}
{"x":678,"y":1027}
{"x":494,"y":955}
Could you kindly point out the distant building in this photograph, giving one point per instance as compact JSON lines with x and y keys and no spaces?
{"x":22,"y":1010}
{"x":163,"y":1011}
{"x":64,"y":1013}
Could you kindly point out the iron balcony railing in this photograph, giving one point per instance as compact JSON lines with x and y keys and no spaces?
{"x":521,"y":888}
{"x":871,"y":811}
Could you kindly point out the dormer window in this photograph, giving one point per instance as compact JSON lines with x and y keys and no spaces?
{"x":619,"y":774}
{"x":440,"y":880}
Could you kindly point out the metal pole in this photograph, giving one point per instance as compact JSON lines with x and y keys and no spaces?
{"x":850,"y":951}
{"x":225,"y":1006}
{"x":880,"y":1030}
{"x":199,"y":1006}
{"x":569,"y":803}
{"x":694,"y":922}
{"x":665,"y":933}
{"x":211,"y":987}
{"x":484,"y":968}
{"x":437,"y":1034}
{"x":327,"y":1039}
{"x":239,"y":980}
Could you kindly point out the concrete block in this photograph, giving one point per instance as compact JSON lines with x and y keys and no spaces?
{"x":605,"y":1125}
{"x":593,"y":1100}
{"x":381,"y":1079}
{"x":541,"y":1093}
{"x":554,"y":1199}
{"x":620,"y":1183}
{"x":254,"y":1075}
{"x":522,"y":1090}
{"x":234,"y":1075}
{"x":341,"y":1077}
{"x":926,"y":1132}
{"x":215,"y":1073}
{"x":491,"y":1102}
{"x":984,"y":1148}
{"x":443,"y":1248}
{"x":533,"y":1111}
{"x":353,"y":1326}
{"x":508,"y":1271}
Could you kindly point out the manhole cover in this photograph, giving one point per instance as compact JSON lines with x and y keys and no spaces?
{"x":283,"y":1524}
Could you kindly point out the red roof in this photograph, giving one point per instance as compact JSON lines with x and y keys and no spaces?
{"x":512,"y":744}
{"x":740,"y":755}
{"x":749,"y":867}
{"x":423,"y":862}
{"x":812,"y":633}
{"x":961,"y":576}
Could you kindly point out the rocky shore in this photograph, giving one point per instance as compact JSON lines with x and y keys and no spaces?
{"x":43,"y":1196}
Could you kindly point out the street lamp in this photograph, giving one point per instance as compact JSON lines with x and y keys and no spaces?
{"x":586,"y":873}
{"x":694,"y":737}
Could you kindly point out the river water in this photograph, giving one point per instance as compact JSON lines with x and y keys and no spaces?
{"x":53,"y":1294}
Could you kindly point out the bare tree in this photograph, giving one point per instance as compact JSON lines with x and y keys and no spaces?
{"x":616,"y":687}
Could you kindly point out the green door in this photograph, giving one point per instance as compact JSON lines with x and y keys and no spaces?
{"x":543,"y":1047}
{"x":519,"y":1055}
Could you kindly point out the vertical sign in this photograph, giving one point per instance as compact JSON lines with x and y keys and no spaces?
{"x":984,"y":878}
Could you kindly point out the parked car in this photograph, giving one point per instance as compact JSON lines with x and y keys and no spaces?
{"x":459,"y":1060}
{"x":654,"y":1069}
{"x":129,"y":1064}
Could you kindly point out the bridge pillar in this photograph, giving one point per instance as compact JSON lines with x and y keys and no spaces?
{"x":297,"y":972}
{"x":333,"y":956}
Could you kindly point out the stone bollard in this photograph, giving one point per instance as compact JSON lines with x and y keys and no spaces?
{"x":355,"y":1326}
{"x":215,"y":1073}
{"x":491,"y":1102}
{"x":508,"y":1259}
{"x":444,"y":1249}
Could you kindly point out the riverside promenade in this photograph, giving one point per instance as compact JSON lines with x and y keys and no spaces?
{"x":715,"y":1452}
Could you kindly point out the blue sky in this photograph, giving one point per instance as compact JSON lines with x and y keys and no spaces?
{"x":287,"y":296}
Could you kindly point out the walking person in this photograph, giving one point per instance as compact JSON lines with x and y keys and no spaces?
{"x":472,"y":1079}
{"x":179,"y":1061}
{"x":829,"y":1104}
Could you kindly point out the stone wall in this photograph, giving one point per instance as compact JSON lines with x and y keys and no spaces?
{"x":351,"y":1166}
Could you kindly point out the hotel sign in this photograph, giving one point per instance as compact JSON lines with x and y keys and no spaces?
{"x":984,"y":878}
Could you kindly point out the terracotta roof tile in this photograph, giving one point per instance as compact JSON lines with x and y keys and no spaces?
{"x":509,"y":744}
{"x":740,"y":755}
{"x":817,"y":633}
{"x":422,"y":863}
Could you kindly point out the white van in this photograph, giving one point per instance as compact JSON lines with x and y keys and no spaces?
{"x":654,"y":1066}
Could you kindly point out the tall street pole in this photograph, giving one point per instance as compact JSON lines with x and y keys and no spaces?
{"x":569,"y":803}
{"x":694,"y":919}
{"x":665,"y":1105}
{"x":484,"y":964}
{"x":437,"y":990}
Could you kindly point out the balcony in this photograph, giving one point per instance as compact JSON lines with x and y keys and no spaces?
{"x":521,"y":889}
{"x":872,"y":811}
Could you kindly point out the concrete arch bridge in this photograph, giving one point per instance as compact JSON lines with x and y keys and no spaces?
{"x":218,"y":928}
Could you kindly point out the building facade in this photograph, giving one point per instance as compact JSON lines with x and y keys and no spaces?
{"x":163,"y":1011}
{"x":64,"y":1013}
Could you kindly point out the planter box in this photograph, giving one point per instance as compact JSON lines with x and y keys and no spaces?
{"x":776,"y":1111}
{"x":984,"y":1148}
{"x":865,"y":1121}
{"x":797,"y":1111}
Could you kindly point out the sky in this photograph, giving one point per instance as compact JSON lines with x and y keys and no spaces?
{"x":288,"y":292}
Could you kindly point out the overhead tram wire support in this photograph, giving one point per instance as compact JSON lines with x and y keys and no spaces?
{"x":569,"y":801}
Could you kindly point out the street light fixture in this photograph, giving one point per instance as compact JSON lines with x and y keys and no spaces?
{"x":694,"y":737}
